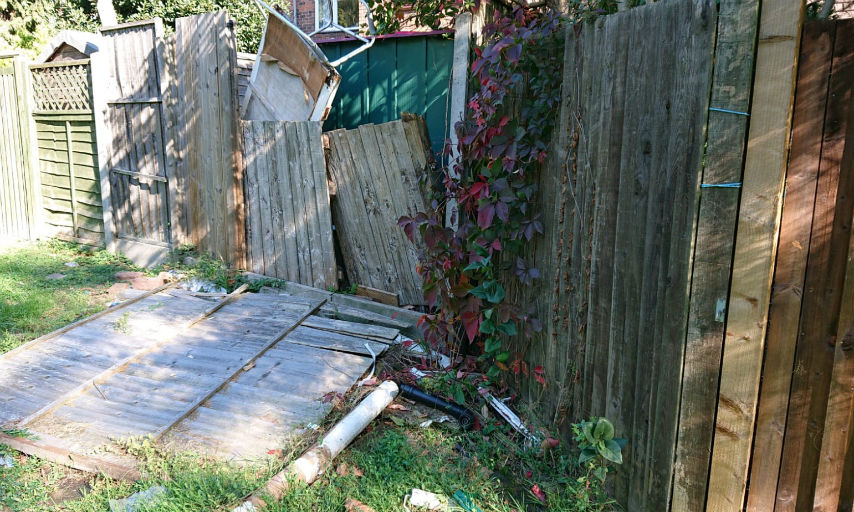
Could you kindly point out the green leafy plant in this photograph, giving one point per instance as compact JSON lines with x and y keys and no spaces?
{"x":599,"y":448}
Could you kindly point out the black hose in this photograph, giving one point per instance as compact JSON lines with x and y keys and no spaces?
{"x":462,"y":415}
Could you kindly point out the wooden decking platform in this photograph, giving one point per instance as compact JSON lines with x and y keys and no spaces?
{"x":232,"y":376}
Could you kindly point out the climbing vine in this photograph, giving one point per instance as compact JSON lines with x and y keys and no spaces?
{"x":503,"y":144}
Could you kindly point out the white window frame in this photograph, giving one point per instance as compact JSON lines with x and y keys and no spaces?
{"x":334,"y":27}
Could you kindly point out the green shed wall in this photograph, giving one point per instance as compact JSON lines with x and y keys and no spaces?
{"x":398,"y":74}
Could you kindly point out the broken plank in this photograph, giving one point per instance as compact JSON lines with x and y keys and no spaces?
{"x":375,"y":294}
{"x":51,"y":449}
{"x":374,"y":332}
{"x":334,"y":341}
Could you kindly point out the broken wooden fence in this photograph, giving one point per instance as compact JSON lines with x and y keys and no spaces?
{"x":376,"y":172}
{"x":136,"y":175}
{"x":289,"y":228}
{"x":17,"y":187}
{"x":209,"y":168}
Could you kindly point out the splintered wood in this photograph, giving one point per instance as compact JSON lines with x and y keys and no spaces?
{"x":188,"y":370}
{"x":375,"y":171}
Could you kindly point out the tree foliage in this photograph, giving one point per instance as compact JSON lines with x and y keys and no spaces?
{"x":29,"y":24}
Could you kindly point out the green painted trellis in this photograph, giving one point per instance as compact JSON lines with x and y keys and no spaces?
{"x":65,"y":142}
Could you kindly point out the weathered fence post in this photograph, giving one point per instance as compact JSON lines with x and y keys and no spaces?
{"x":100,"y":67}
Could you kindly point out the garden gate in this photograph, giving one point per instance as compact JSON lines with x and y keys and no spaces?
{"x":138,"y":183}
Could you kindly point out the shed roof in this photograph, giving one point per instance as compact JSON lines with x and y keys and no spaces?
{"x":84,"y":42}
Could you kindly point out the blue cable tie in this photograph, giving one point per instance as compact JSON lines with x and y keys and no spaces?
{"x":727,"y":111}
{"x":736,"y":184}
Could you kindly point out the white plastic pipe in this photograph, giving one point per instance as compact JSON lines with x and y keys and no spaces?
{"x":313,"y":462}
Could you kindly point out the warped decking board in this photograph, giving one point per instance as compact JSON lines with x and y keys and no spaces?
{"x":233,"y":377}
{"x":375,"y":170}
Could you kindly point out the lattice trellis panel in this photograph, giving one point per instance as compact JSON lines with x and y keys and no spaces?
{"x":62,"y":88}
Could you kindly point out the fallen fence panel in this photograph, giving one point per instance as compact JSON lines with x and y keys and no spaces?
{"x":376,"y":172}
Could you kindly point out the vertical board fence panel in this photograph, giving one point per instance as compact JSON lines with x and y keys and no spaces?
{"x":726,"y":131}
{"x":138,"y":183}
{"x":619,"y":199}
{"x":210,"y":171}
{"x":287,"y":203}
{"x":17,"y":198}
{"x":375,"y":171}
{"x":67,"y":151}
{"x":398,"y":74}
{"x":817,"y":339}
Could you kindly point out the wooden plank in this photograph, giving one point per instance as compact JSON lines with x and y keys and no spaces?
{"x":251,"y":149}
{"x":265,"y":147}
{"x":289,"y":237}
{"x":846,"y":497}
{"x":794,"y":246}
{"x":621,"y":397}
{"x":825,"y":276}
{"x":392,"y":299}
{"x":691,"y":74}
{"x":375,"y":332}
{"x":329,"y":340}
{"x":459,"y":93}
{"x":755,"y":251}
{"x":172,"y":154}
{"x":836,"y":443}
{"x":609,"y":127}
{"x":52,"y":450}
{"x":295,"y":164}
{"x":329,"y":270}
{"x":731,"y":90}
{"x":229,"y":151}
{"x":25,"y":130}
{"x":309,"y":201}
{"x":277,"y":210}
{"x":71,"y":178}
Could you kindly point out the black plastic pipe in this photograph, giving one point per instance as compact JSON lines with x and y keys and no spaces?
{"x":462,"y":415}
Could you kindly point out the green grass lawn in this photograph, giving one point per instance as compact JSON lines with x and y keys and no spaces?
{"x":378,"y":469}
{"x":32,"y":305}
